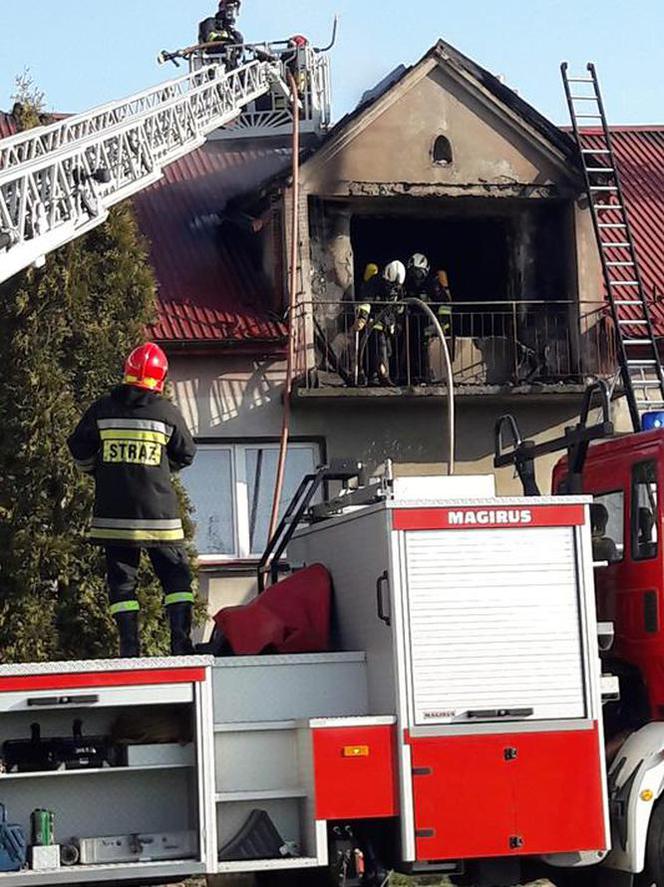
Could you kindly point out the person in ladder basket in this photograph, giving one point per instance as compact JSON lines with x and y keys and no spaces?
{"x":130,"y":441}
{"x":221,"y":29}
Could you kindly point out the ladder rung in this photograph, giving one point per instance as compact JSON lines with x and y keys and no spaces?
{"x":580,"y":80}
{"x":595,"y":151}
{"x":619,"y":264}
{"x":589,"y":116}
{"x":625,"y":283}
{"x":622,"y":244}
{"x":647,"y":383}
{"x":637,"y":342}
{"x":603,"y":187}
{"x":642,"y":363}
{"x":584,"y":98}
{"x":612,"y":224}
{"x":626,"y":302}
{"x":626,"y":322}
{"x":598,"y":169}
{"x":609,"y":207}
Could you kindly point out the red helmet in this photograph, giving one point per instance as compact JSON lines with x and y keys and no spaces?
{"x":146,"y":367}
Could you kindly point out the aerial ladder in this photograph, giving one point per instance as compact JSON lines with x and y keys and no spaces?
{"x":640,"y":362}
{"x":58,"y":182}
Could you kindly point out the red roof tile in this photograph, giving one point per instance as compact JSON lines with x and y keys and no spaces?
{"x":7,"y":125}
{"x":639,"y":152}
{"x":210,"y":286}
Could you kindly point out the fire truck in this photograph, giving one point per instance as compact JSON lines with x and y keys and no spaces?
{"x":452,"y":724}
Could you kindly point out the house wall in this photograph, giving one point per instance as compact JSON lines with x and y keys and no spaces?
{"x":392,"y":143}
{"x":236,"y":398}
{"x":384,"y":157}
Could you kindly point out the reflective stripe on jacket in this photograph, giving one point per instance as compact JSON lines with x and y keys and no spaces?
{"x":130,"y":441}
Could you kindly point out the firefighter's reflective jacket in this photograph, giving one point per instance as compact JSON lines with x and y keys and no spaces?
{"x":434,"y":290}
{"x":215,"y":30}
{"x":130,"y":441}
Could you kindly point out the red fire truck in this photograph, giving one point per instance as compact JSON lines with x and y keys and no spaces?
{"x":453,"y":724}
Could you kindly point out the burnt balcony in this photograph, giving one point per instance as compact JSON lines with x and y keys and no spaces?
{"x":497,"y":348}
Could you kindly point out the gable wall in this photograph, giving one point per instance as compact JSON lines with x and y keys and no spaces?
{"x":396,"y":144}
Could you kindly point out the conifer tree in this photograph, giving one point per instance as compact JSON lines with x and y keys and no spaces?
{"x":64,"y":332}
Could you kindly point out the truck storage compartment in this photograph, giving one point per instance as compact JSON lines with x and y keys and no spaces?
{"x":266,"y":766}
{"x":123,"y":781}
{"x":495,"y":624}
{"x":516,"y":794}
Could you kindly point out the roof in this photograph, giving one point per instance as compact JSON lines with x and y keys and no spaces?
{"x":449,"y":55}
{"x":210,"y":287}
{"x":639,"y":152}
{"x":7,"y":125}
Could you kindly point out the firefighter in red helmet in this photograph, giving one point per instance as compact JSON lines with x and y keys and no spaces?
{"x":130,"y":441}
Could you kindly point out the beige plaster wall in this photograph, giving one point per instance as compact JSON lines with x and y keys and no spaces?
{"x":396,"y":146}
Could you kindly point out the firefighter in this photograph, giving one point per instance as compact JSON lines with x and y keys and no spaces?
{"x":389,"y":291}
{"x":130,"y":441}
{"x":221,"y":30}
{"x":296,"y":61}
{"x":369,"y":295}
{"x":363,"y":308}
{"x":604,"y":548}
{"x":434,"y":289}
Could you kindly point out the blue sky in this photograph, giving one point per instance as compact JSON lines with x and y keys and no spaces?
{"x":83,"y":53}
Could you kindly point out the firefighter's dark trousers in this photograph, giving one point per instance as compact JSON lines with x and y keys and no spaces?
{"x":380,"y":354}
{"x":170,"y":563}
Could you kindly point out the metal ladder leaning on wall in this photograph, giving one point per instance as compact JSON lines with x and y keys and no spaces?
{"x":640,"y":364}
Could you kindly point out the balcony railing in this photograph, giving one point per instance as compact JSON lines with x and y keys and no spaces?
{"x":503,"y":344}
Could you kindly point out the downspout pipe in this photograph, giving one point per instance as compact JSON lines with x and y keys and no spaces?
{"x":292,"y":305}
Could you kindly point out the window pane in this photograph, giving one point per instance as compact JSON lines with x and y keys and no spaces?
{"x":261,"y":467}
{"x":608,"y":526}
{"x":209,"y":483}
{"x":645,"y":534}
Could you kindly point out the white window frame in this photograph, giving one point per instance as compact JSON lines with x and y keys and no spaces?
{"x":240,"y":490}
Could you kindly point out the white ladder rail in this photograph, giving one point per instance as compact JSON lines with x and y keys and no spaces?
{"x":110,"y":154}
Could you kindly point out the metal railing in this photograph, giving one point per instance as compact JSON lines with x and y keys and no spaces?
{"x":271,"y":114}
{"x":491,"y":343}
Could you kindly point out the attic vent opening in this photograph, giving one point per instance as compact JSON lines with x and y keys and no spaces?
{"x":442,"y":151}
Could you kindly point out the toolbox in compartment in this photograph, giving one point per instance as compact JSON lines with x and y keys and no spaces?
{"x":75,"y":752}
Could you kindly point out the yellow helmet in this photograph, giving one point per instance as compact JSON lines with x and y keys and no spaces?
{"x":370,"y":271}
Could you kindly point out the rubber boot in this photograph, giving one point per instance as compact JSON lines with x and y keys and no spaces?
{"x":130,"y":645}
{"x":180,"y":617}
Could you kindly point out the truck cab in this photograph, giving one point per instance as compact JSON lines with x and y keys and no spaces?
{"x":624,"y":476}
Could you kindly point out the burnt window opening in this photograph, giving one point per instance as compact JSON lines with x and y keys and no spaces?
{"x":442,"y":151}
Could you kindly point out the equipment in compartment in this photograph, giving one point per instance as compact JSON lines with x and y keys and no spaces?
{"x":162,"y":724}
{"x":165,"y":754}
{"x":257,"y":839}
{"x":137,"y":848}
{"x":75,"y":752}
{"x":42,"y":824}
{"x":45,"y":858}
{"x":13,"y":844}
{"x":69,"y":854}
